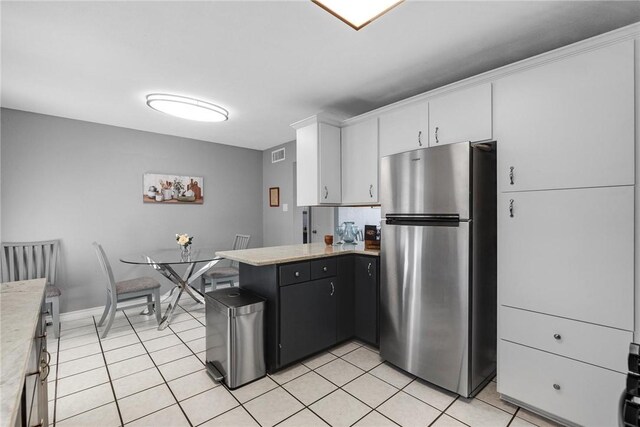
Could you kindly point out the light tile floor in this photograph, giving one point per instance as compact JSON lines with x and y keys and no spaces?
{"x":140,"y":376}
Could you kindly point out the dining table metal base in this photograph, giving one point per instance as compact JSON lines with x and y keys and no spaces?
{"x":183,"y":284}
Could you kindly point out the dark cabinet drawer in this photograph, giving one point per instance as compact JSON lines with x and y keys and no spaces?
{"x":323,"y":268}
{"x":294,"y":273}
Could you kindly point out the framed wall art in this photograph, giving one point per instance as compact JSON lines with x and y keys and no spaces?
{"x":274,"y":197}
{"x":172,"y":189}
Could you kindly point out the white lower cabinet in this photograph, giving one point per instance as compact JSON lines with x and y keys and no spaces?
{"x":577,"y":392}
{"x":569,"y":253}
{"x":598,"y":345}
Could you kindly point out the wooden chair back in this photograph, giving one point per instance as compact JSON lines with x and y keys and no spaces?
{"x":30,"y":260}
{"x":241,"y":241}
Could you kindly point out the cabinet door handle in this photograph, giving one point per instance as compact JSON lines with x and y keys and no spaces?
{"x":48,"y":357}
{"x":324,"y":269}
{"x":333,"y":288}
{"x":511,"y":208}
{"x":556,"y":386}
{"x":437,"y":140}
{"x":511,"y":175}
{"x":557,"y":336}
{"x":369,"y":269}
{"x":48,"y":368}
{"x":326,"y":192}
{"x":420,"y":138}
{"x":371,"y":191}
{"x":297,"y":274}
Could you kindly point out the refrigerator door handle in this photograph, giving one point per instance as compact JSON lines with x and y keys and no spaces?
{"x":451,"y":220}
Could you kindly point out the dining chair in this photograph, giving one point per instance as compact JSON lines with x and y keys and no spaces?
{"x":35,"y":260}
{"x":125,"y":291}
{"x":229,"y":273}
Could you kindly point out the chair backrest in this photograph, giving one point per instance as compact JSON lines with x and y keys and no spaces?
{"x":241,"y":241}
{"x":30,"y":260}
{"x":106,"y":268}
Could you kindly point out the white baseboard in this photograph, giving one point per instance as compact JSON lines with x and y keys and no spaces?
{"x":96,"y":311}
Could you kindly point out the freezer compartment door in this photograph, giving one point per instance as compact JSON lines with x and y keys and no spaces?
{"x":430,"y":180}
{"x":424,"y":302}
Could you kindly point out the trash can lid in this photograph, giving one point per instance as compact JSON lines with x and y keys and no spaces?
{"x":236,"y":301}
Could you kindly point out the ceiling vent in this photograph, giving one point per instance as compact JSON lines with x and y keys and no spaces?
{"x":277,"y":156}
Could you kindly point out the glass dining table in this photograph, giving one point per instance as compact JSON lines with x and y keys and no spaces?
{"x":164,"y":261}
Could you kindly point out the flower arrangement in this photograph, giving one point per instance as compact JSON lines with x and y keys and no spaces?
{"x":184,"y":240}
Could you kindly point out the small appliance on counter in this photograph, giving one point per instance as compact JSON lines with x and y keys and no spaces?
{"x":372,"y":237}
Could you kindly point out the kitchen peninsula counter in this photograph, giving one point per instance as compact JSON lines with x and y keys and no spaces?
{"x":292,"y":253}
{"x":316,"y":296}
{"x":20,"y":308}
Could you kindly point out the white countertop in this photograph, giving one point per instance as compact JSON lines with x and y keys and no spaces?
{"x":282,"y":254}
{"x":20,"y":304}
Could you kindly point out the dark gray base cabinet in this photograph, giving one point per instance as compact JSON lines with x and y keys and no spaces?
{"x":307,"y":319}
{"x":366,"y":299}
{"x":313,"y":305}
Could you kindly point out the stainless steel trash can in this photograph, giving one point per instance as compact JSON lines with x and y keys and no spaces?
{"x":235,"y":336}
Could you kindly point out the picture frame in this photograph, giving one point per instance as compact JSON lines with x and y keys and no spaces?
{"x":172,"y":189}
{"x":274,"y":197}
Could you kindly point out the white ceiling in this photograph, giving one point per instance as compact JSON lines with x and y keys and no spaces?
{"x":270,"y":63}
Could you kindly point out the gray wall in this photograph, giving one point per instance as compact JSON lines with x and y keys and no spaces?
{"x":280,"y":227}
{"x":80,"y":182}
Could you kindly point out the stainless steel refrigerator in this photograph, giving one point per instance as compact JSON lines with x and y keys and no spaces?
{"x":438,"y":264}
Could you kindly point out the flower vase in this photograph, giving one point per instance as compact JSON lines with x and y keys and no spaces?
{"x":185,"y":253}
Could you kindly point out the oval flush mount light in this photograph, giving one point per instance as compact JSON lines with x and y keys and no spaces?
{"x":187,"y":108}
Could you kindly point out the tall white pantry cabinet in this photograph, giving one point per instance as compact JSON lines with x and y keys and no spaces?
{"x":566,"y":181}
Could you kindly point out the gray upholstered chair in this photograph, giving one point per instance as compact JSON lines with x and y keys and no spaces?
{"x":229,"y":273}
{"x":35,"y":260}
{"x":126,"y":290}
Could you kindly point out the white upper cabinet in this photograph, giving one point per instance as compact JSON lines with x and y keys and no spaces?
{"x":569,"y":123}
{"x":360,"y":163}
{"x":569,"y":253}
{"x":404,"y":129}
{"x":464,"y":115}
{"x":318,"y":162}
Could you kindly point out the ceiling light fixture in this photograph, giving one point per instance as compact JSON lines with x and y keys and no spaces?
{"x":357,"y":13}
{"x":187,"y":108}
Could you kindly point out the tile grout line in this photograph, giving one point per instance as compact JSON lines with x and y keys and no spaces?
{"x":163,"y":378}
{"x":240,"y":404}
{"x":386,"y":400}
{"x":108,"y":373}
{"x":338,"y":388}
{"x":495,"y":406}
{"x":205,"y":367}
{"x":445,"y":410}
{"x":514,"y":417}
